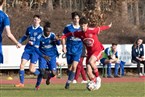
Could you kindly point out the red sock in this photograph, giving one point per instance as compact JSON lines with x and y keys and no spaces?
{"x":96,"y":73}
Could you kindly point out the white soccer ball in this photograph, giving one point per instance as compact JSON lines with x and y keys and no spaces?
{"x":91,"y":86}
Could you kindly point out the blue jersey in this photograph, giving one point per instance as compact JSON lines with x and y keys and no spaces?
{"x":31,"y":33}
{"x":73,"y":45}
{"x":4,"y":21}
{"x":47,"y":45}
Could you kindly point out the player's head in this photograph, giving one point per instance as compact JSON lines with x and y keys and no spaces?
{"x":114,"y":46}
{"x":83,"y":23}
{"x":36,"y":20}
{"x":47,"y":28}
{"x":1,"y":2}
{"x":75,"y":17}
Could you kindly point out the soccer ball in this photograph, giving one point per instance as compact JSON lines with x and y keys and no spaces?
{"x":91,"y":86}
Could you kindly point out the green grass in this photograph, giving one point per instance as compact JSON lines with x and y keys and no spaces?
{"x":76,"y":90}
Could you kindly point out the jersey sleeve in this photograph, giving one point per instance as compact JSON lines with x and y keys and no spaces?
{"x":99,"y":29}
{"x":6,"y":21}
{"x":65,"y":31}
{"x":24,"y":36}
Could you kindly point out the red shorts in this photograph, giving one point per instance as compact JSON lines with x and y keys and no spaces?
{"x":97,"y":54}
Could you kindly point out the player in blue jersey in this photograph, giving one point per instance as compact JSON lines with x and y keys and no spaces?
{"x":29,"y":53}
{"x":73,"y":47}
{"x":5,"y":25}
{"x":46,"y":47}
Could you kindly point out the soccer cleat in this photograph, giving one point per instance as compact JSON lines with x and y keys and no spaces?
{"x":20,"y":85}
{"x":48,"y":81}
{"x":37,"y":88}
{"x":140,"y":74}
{"x":67,"y":86}
{"x":84,"y":81}
{"x":74,"y":81}
{"x":98,"y":83}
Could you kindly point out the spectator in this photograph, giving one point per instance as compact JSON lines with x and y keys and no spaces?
{"x":110,"y":56}
{"x":80,"y":68}
{"x":138,"y":54}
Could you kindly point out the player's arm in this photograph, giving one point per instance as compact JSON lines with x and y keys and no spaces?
{"x":37,"y":43}
{"x":24,"y":37}
{"x":57,"y":39}
{"x":8,"y":32}
{"x":11,"y":36}
{"x":103,"y":28}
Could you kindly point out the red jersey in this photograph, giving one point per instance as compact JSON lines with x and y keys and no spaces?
{"x":90,"y":39}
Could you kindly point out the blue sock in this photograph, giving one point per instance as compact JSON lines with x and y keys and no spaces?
{"x":116,"y":69}
{"x":21,"y":76}
{"x":71,"y":76}
{"x":39,"y":79}
{"x":37,"y":72}
{"x":109,"y":69}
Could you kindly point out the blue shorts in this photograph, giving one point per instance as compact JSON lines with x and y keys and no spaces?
{"x":103,"y":60}
{"x":51,"y":65}
{"x":71,"y":58}
{"x":32,"y":56}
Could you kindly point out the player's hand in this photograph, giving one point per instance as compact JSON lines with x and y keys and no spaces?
{"x":47,"y":58}
{"x":110,"y":24}
{"x":18,"y":45}
{"x":30,"y":42}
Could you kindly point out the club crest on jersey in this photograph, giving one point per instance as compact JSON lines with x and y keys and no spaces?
{"x":89,"y":42}
{"x":35,"y":33}
{"x":90,"y":35}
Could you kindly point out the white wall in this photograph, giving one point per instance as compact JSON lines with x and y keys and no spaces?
{"x":12,"y":55}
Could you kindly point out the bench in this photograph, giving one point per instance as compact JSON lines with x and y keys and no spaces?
{"x":127,"y":65}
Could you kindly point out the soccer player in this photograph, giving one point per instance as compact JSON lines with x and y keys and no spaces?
{"x":29,"y":52}
{"x":46,"y":47}
{"x":5,"y":25}
{"x":73,"y":47}
{"x":80,"y":68}
{"x":93,"y":46}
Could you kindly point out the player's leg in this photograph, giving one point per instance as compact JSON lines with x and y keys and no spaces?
{"x":33,"y":61}
{"x":78,"y":69}
{"x":42,"y":67}
{"x":52,"y":67}
{"x":24,"y":60}
{"x":83,"y":72}
{"x":73,"y":62}
{"x":92,"y":61}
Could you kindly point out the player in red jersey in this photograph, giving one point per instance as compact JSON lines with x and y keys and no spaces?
{"x":93,"y":46}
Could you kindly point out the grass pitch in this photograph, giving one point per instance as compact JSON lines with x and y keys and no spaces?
{"x":131,"y":89}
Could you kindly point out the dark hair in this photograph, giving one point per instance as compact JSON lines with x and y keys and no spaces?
{"x":46,"y":26}
{"x":1,"y":2}
{"x":83,"y":20}
{"x":73,"y":14}
{"x":135,"y":43}
{"x":37,"y":16}
{"x":114,"y":44}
